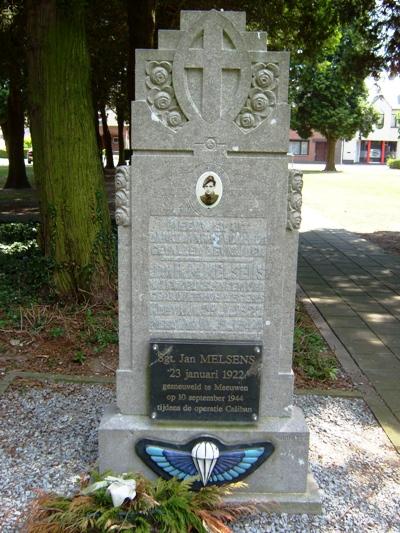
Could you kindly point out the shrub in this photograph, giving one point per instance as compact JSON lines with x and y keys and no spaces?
{"x":27,"y":143}
{"x":393,"y":163}
{"x":165,"y":506}
{"x":24,"y":271}
{"x":17,"y":231}
{"x":310,"y":356}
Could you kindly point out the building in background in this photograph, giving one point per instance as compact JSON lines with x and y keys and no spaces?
{"x":383,"y":142}
{"x":311,"y":150}
{"x":380,"y":145}
{"x":113,"y":128}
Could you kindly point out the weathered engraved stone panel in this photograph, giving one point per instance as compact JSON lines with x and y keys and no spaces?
{"x":206,"y":274}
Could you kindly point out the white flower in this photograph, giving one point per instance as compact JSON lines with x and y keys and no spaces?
{"x":119,"y":488}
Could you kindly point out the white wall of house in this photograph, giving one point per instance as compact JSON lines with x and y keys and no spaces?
{"x":113,"y":127}
{"x":387,"y":129}
{"x":351,"y":151}
{"x":384,"y":95}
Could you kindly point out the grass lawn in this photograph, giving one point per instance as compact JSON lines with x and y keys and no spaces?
{"x":359,"y":198}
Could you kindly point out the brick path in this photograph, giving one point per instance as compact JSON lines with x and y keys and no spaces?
{"x":355,"y":286}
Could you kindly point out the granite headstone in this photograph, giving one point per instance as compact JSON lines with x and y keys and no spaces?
{"x":208,"y":215}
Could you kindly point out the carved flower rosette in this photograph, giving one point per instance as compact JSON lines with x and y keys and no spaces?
{"x":122,"y":217}
{"x":161,"y":95}
{"x":262,"y":96}
{"x":295,"y":200}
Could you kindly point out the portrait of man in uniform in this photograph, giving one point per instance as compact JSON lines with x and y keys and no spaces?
{"x":209,"y":189}
{"x":210,"y":196}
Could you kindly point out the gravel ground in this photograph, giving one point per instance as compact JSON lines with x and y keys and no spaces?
{"x":48,"y":436}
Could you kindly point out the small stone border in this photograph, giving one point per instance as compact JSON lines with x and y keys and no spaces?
{"x":42,"y":376}
{"x":382,"y":413}
{"x":333,"y":393}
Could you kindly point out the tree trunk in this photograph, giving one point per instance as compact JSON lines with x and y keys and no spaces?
{"x":16,"y":178}
{"x":76,"y":229}
{"x":141,"y":25}
{"x":107,"y":139}
{"x":330,"y":157}
{"x":4,"y":128}
{"x":121,"y":140}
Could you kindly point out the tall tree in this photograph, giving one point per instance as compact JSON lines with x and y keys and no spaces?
{"x":330,"y":96}
{"x":141,"y":24}
{"x":119,"y":102}
{"x":16,"y":178}
{"x":75,"y":222}
{"x":107,"y":140}
{"x":3,"y":110}
{"x":107,"y":34}
{"x":12,"y":61}
{"x":389,"y":22}
{"x":304,"y":27}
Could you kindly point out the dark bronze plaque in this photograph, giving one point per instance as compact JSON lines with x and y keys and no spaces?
{"x":206,"y":380}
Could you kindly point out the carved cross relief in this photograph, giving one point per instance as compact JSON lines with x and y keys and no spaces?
{"x":215,"y":59}
{"x":211,"y":77}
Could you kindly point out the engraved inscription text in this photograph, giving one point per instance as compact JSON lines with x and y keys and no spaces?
{"x":206,"y":274}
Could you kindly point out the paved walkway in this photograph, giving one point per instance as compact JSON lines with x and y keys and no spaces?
{"x":355,"y":286}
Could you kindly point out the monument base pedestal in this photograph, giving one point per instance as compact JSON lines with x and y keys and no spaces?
{"x":281,"y":484}
{"x":308,"y":501}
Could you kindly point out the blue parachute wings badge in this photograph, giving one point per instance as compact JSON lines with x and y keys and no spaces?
{"x":174,"y":463}
{"x":205,"y":458}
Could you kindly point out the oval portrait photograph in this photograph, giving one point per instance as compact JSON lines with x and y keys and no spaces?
{"x":209,"y":189}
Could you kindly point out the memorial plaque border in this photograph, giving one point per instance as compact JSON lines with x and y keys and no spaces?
{"x":205,"y":380}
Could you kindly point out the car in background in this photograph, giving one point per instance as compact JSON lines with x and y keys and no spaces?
{"x":30,"y":156}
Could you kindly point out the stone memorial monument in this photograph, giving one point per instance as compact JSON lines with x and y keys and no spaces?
{"x":208,"y":215}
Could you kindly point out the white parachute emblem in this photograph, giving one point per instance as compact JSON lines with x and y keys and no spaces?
{"x":205,"y":455}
